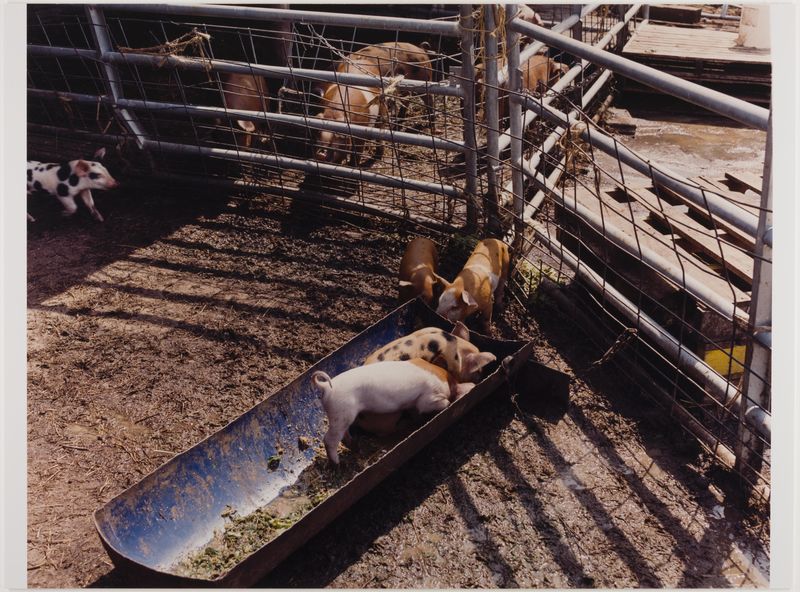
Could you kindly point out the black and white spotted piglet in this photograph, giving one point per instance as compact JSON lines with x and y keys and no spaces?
{"x":67,"y":180}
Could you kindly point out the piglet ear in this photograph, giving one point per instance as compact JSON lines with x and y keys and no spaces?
{"x":468,"y":299}
{"x":100,"y":154}
{"x":81,"y":168}
{"x":476,"y":362}
{"x":460,"y":330}
{"x":441,"y":280}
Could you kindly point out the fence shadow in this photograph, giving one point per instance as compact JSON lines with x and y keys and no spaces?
{"x":62,"y":252}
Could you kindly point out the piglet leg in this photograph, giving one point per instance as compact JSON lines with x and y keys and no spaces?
{"x":70,"y":207}
{"x":86,"y":196}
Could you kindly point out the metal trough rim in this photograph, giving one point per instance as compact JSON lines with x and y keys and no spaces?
{"x":341,"y":499}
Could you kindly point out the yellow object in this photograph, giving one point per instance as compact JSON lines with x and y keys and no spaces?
{"x":720,"y":359}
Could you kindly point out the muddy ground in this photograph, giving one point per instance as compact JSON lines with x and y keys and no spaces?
{"x":155,"y":329}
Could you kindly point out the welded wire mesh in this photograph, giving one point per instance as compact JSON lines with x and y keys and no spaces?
{"x":667,"y":280}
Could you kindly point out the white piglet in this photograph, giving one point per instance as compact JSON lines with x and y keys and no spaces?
{"x":383,"y":387}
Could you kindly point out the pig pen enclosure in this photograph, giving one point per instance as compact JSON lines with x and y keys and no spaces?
{"x":242,"y":249}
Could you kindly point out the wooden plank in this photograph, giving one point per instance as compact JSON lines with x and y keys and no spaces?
{"x":741,"y":235}
{"x":748,"y":202}
{"x":731,"y":258}
{"x":753,"y":182}
{"x":689,"y":44}
{"x":618,"y":216}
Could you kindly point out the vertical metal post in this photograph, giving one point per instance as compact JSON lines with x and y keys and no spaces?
{"x":646,"y":12}
{"x":577,"y":28}
{"x":515,"y":113}
{"x":756,"y":385}
{"x":466,"y":23}
{"x":113,"y":85}
{"x":492,"y":116}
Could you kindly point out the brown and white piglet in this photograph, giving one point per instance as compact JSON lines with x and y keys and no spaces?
{"x":385,"y":387}
{"x":450,"y":350}
{"x":479,"y":285}
{"x":347,"y":104}
{"x":418,"y":271}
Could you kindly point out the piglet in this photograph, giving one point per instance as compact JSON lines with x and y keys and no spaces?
{"x":246,"y":92}
{"x":418,"y":270}
{"x":452,"y":351}
{"x":68,"y":180}
{"x":385,"y":387}
{"x":479,"y":285}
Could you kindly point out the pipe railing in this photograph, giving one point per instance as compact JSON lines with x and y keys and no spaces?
{"x":661,"y":175}
{"x":741,"y":111}
{"x":385,"y":23}
{"x":279,"y":72}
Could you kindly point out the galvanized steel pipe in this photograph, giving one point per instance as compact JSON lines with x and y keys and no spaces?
{"x":386,"y":23}
{"x":359,"y":131}
{"x":661,"y":175}
{"x":138,"y":59}
{"x":308,"y":166}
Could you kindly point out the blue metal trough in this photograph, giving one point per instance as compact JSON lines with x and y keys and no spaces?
{"x":178,"y":507}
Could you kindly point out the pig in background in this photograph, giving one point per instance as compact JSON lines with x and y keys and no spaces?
{"x":246,"y":92}
{"x":356,"y":105}
{"x":393,"y":58}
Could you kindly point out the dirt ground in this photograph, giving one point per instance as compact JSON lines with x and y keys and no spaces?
{"x":155,"y":329}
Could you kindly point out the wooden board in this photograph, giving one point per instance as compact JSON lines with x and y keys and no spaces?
{"x":619,"y":216}
{"x":749,"y":202}
{"x":731,"y":258}
{"x":749,"y":180}
{"x":743,"y":237}
{"x":690,"y":43}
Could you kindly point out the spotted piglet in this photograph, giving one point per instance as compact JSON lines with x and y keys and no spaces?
{"x":67,"y":180}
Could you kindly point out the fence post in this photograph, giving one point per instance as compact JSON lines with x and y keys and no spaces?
{"x":491,"y":116}
{"x":113,"y":86}
{"x":466,"y":23}
{"x":577,"y":28}
{"x":757,"y":375}
{"x":515,"y":131}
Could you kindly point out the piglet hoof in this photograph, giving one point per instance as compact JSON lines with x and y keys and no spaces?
{"x":31,"y":218}
{"x":97,"y":216}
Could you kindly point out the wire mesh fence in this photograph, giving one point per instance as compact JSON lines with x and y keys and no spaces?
{"x":459,"y":121}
